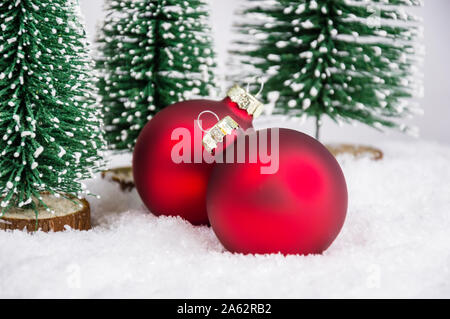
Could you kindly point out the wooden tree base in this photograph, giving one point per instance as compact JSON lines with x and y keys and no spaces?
{"x":121,"y":175}
{"x":356,"y":150}
{"x":75,"y":214}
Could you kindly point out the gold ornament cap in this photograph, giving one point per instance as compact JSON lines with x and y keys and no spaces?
{"x":245,"y":100}
{"x":216,"y":134}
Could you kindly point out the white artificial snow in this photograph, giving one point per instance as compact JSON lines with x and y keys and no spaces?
{"x":28,"y":133}
{"x":307,"y":24}
{"x":297,"y":87}
{"x":38,"y":151}
{"x":300,"y":8}
{"x":394,"y":243}
{"x":62,"y":152}
{"x":292,"y":103}
{"x":288,"y":10}
{"x":281,"y":44}
{"x":306,"y":103}
{"x":306,"y":55}
{"x":323,"y":49}
{"x":274,"y":57}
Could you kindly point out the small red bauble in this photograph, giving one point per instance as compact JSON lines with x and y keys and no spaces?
{"x":172,"y":188}
{"x":298,"y":209}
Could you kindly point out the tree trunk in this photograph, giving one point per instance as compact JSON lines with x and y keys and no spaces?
{"x":317,"y":135}
{"x":66,"y":213}
{"x":121,"y":175}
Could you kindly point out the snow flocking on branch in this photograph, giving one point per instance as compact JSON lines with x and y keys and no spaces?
{"x":348,"y":50}
{"x":43,"y":49}
{"x":168,"y":45}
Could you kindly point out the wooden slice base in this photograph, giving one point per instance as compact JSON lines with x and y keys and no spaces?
{"x":356,"y":150}
{"x":75,"y":213}
{"x":121,"y":175}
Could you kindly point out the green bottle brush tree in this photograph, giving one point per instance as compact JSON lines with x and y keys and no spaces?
{"x":50,"y":127}
{"x":150,"y":54}
{"x":346,"y":60}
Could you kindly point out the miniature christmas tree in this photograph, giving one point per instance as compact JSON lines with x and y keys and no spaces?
{"x":151,"y":54}
{"x":348,"y":60}
{"x":51,"y":131}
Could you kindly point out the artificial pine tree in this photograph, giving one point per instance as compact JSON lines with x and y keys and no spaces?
{"x":152,"y":53}
{"x":345,"y":59}
{"x":51,"y":135}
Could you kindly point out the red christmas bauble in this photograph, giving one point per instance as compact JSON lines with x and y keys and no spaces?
{"x":297,"y":206}
{"x":166,"y":185}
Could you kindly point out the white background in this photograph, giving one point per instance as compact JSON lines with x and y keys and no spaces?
{"x":433,"y":125}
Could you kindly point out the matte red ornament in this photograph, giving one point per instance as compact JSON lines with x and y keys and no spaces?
{"x":179,"y":189}
{"x":299,"y":209}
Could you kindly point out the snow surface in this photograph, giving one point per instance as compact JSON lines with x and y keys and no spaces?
{"x":395,"y":243}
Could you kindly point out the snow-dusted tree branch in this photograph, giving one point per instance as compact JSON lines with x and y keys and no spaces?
{"x":50,"y":128}
{"x":151,"y":54}
{"x":348,"y":60}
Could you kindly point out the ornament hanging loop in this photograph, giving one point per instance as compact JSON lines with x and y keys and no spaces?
{"x":256,"y":79}
{"x":199,"y":122}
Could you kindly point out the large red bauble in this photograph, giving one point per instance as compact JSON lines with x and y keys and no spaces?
{"x":299,"y":209}
{"x":178,"y":189}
